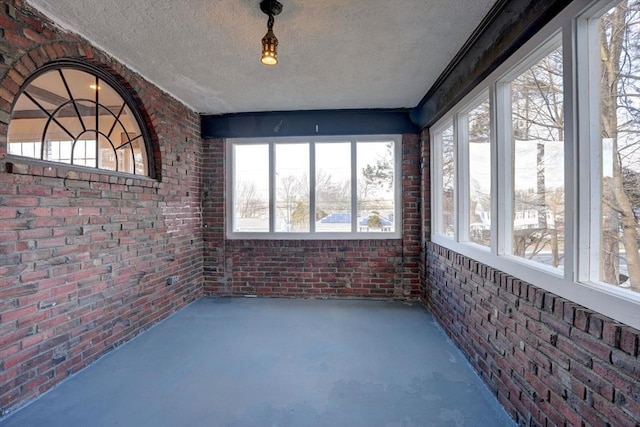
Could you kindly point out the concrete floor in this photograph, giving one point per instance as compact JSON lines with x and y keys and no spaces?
{"x":276,"y":362}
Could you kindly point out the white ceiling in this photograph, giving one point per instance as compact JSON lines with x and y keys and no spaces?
{"x":334,"y":54}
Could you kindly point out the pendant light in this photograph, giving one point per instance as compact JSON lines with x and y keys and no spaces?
{"x":269,"y":41}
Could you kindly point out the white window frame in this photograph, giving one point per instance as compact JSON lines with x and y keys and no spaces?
{"x":437,"y":180}
{"x":582,"y":168}
{"x":354,"y":234}
{"x":463,"y":173}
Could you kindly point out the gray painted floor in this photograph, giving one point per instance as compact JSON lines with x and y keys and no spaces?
{"x":276,"y":362}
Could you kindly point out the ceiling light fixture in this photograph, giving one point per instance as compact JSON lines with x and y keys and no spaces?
{"x":269,"y":41}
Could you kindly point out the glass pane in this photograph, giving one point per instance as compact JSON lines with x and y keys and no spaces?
{"x":251,"y":192}
{"x":26,"y":109}
{"x":57,"y":145}
{"x":538,"y":162}
{"x":25,"y":128}
{"x":87,"y":110}
{"x":106,"y":154}
{"x":448,"y":181}
{"x":333,"y":187}
{"x":292,"y":188}
{"x":109,"y":98}
{"x":479,"y":174}
{"x":48,"y":90}
{"x":375,"y":186}
{"x":139,"y":156}
{"x":107,"y":121}
{"x":125,"y":159}
{"x":68,"y":118}
{"x":84,"y":153}
{"x":620,"y":114}
{"x":26,"y":149}
{"x":82,"y":85}
{"x":128,"y":121}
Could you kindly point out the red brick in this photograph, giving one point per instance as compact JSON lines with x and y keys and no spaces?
{"x":629,"y":341}
{"x":592,"y":380}
{"x":612,"y":412}
{"x":591,"y":344}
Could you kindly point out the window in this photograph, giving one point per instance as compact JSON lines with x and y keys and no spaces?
{"x":476,"y":124}
{"x":69,"y":112}
{"x":338,"y":187}
{"x":536,"y":172}
{"x":537,"y":151}
{"x":445,"y":181}
{"x":616,"y":259}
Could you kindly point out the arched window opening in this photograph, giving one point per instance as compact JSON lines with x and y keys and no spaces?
{"x":71,"y":112}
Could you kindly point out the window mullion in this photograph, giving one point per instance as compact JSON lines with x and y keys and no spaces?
{"x":397,"y":184}
{"x":436,"y":181}
{"x":495,"y":163}
{"x":504,"y":174}
{"x":312,"y":186}
{"x":230,"y":158}
{"x":272,"y":187}
{"x":462,"y":177}
{"x":590,"y":151}
{"x":97,"y":100}
{"x":571,"y":161}
{"x":354,"y":187}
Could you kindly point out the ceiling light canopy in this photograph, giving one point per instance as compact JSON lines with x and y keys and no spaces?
{"x":269,"y":41}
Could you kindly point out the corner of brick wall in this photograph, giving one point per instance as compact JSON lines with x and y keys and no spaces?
{"x":549,"y":361}
{"x":85,"y":257}
{"x":311,"y":268}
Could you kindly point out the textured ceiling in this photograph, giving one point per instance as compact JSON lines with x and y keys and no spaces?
{"x":334,"y":54}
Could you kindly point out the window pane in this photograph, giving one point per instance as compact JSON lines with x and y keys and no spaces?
{"x":538,"y":154}
{"x":375,"y":186}
{"x":139,"y":156}
{"x":251,"y":192}
{"x":620,"y":131}
{"x":448,"y":181}
{"x":333,"y":187}
{"x":84,"y":153}
{"x":57,"y":147}
{"x":48,"y":91}
{"x":292,"y":188}
{"x":82,"y":85}
{"x":479,"y":174}
{"x":106,"y":154}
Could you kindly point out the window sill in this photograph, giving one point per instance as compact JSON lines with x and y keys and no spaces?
{"x":313,"y":236}
{"x":34,"y":167}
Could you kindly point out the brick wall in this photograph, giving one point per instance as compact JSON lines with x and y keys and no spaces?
{"x":85,"y":256}
{"x":327,"y":268}
{"x":549,"y":361}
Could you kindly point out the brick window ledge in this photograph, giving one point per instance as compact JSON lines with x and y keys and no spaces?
{"x":35,"y":167}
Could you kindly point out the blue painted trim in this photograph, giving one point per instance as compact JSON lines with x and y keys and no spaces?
{"x":308,"y":123}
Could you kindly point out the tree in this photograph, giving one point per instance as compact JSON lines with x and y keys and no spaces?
{"x":381,"y":173}
{"x":620,"y":121}
{"x":374,"y":222}
{"x":376,"y":178}
{"x":332,"y":195}
{"x":289,"y":196}
{"x":248,"y":204}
